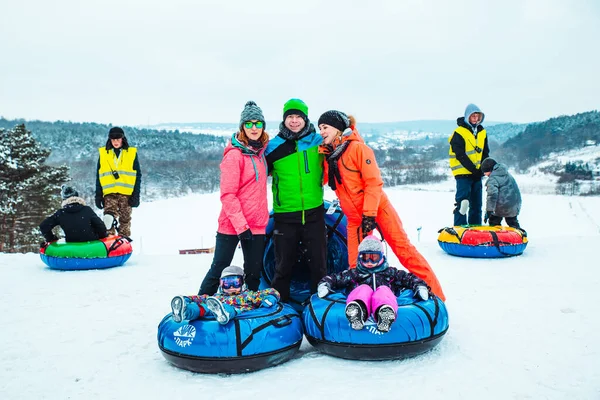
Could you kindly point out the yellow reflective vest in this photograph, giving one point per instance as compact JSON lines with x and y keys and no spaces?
{"x":473,"y":148}
{"x":122,"y":166}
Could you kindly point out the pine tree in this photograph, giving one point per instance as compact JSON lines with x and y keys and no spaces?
{"x":28,"y":189}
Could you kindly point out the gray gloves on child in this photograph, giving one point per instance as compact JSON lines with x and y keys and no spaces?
{"x":323,"y":289}
{"x":422,"y":292}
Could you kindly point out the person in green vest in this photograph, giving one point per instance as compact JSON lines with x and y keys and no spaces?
{"x":118,"y":182}
{"x":468,"y":146}
{"x":296,"y":166}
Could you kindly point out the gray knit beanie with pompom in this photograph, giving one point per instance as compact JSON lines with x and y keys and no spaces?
{"x":251,"y":112}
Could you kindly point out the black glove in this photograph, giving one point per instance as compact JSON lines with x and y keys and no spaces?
{"x":100,"y":202}
{"x":133,"y":201}
{"x":368,"y":224}
{"x":246,"y":235}
{"x":477,"y":174}
{"x":486,"y":217}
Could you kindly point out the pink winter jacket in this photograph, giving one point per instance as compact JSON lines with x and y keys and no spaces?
{"x":243,"y":190}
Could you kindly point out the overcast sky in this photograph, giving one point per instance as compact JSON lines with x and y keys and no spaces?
{"x":138,"y":62}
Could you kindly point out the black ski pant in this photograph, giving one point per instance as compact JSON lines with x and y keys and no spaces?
{"x":287,"y":237}
{"x":513,"y":222}
{"x":253,"y":250}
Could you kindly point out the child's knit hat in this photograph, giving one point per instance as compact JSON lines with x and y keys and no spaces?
{"x":370,"y":244}
{"x":232,"y":270}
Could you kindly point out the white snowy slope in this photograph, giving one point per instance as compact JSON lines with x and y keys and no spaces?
{"x":520,"y":328}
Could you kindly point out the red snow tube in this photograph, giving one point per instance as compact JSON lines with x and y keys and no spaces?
{"x":482,"y":241}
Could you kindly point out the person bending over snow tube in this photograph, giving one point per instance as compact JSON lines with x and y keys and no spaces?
{"x":235,"y":330}
{"x":419,"y":319}
{"x":352,"y":172}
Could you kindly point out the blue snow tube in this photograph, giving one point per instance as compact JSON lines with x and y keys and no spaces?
{"x":253,"y":340}
{"x":419,"y":326}
{"x":337,"y":256}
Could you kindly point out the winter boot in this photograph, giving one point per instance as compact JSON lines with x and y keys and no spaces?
{"x":178,"y":308}
{"x":108,"y":219}
{"x":464,"y":207}
{"x":110,"y":222}
{"x":218,"y":310}
{"x":356,"y":315}
{"x":385,"y":318}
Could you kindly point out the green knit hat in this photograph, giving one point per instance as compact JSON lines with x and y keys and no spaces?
{"x":295,"y":106}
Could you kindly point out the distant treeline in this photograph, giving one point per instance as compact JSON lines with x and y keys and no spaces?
{"x":540,"y":139}
{"x":172,"y":162}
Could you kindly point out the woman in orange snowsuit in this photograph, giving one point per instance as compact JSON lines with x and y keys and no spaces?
{"x":352,"y":172}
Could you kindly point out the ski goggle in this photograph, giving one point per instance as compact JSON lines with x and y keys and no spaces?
{"x":373,"y":258}
{"x":232,"y":282}
{"x":249,"y":124}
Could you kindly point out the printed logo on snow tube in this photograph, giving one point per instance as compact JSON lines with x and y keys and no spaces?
{"x":111,"y":251}
{"x":337,"y":255}
{"x":419,"y":326}
{"x":253,"y":340}
{"x":482,"y":241}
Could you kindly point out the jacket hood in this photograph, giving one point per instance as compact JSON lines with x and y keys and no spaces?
{"x":499,"y":170}
{"x":471,"y":109}
{"x":73,"y":204}
{"x":353,"y":136}
{"x":349,"y":135}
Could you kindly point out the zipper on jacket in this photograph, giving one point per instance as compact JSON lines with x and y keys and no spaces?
{"x":300,"y":176}
{"x":306,"y":162}
{"x":276,"y":183}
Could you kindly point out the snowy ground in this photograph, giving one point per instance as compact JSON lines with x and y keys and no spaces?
{"x":520,"y":328}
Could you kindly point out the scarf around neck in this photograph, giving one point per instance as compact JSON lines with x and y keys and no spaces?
{"x":332,"y":163}
{"x":289,"y":135}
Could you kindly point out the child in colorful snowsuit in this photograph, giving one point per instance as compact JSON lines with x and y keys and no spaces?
{"x":374,"y":287}
{"x":352,"y":172}
{"x":231,"y":299}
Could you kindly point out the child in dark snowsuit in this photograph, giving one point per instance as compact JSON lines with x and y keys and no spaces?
{"x":78,"y":221}
{"x":374,"y":286}
{"x":231,"y":299}
{"x":503,"y":194}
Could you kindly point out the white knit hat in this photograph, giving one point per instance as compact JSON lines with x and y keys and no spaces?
{"x":232,"y":270}
{"x":370,"y":244}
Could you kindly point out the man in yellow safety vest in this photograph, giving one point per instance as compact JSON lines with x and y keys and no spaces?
{"x":118,"y":181}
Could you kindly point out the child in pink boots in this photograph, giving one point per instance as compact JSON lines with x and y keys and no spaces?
{"x":374,"y":286}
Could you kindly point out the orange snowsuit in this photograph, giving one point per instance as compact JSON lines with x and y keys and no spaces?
{"x":361,"y":193}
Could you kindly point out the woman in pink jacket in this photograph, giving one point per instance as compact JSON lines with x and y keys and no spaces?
{"x":244,"y":211}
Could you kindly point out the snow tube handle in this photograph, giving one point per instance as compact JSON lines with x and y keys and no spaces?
{"x":118,"y":243}
{"x":282,"y":321}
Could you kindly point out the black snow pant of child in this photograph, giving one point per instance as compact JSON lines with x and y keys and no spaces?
{"x":513,"y":222}
{"x":253,"y":250}
{"x":287,"y":237}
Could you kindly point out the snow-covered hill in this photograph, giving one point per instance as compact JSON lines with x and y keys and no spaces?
{"x":520,"y":328}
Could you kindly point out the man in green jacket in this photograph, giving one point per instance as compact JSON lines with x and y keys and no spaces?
{"x":294,"y":162}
